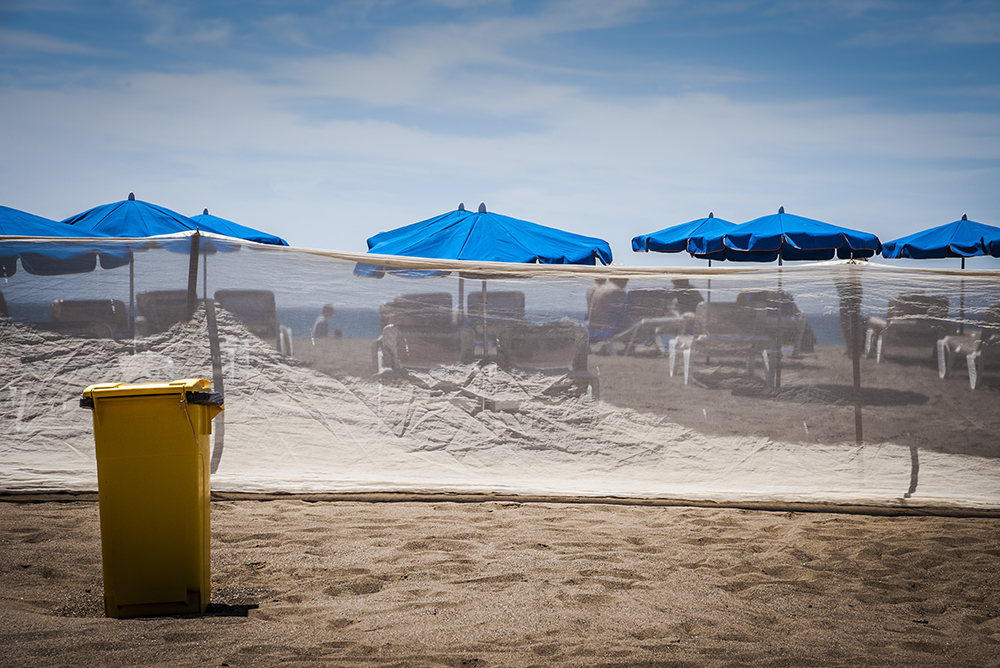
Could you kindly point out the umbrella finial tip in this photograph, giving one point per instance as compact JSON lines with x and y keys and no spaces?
{"x":205,"y":212}
{"x":482,"y":207}
{"x":461,"y":206}
{"x":711,"y":215}
{"x":964,"y":217}
{"x":131,"y":197}
{"x":781,"y":209}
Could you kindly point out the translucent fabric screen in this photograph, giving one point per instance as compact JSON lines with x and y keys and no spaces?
{"x":418,"y":387}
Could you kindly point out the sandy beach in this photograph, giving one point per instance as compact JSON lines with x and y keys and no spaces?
{"x":459,"y":578}
{"x":305,"y":581}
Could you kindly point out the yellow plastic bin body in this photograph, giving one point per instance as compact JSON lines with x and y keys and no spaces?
{"x":153,"y":456}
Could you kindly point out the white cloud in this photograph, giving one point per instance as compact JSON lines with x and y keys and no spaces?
{"x":605,"y":167}
{"x":967,"y":29}
{"x":170,"y":25}
{"x":385,"y":151}
{"x":956,"y":28}
{"x":16,"y":40}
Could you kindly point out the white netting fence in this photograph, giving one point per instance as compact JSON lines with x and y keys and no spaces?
{"x":766,"y":402}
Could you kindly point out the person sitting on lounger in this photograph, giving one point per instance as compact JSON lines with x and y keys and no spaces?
{"x":321,"y":329}
{"x":594,"y":287}
{"x":605,"y":307}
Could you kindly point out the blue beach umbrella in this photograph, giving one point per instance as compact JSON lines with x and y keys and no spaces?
{"x":52,"y":258}
{"x":16,"y":223}
{"x":135,"y":219}
{"x":784,"y":236}
{"x":482,"y":237}
{"x":489,"y":237}
{"x":209,"y":222}
{"x":962,"y":238}
{"x":132,"y":218}
{"x":675,"y":239}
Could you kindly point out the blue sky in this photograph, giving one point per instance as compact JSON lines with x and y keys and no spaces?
{"x":328,"y":122}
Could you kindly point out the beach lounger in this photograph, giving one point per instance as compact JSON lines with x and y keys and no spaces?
{"x":159,"y":310}
{"x":404,"y":348}
{"x":418,"y":333}
{"x":979,"y":351}
{"x":648,"y":319}
{"x":914,"y":321}
{"x":726,"y":329}
{"x":503,"y":309}
{"x":427,"y":309}
{"x":558,"y":348}
{"x":93,"y":318}
{"x":255,"y":309}
{"x":780,"y":312}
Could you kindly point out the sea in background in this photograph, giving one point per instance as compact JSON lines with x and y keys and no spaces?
{"x":363,"y":323}
{"x":302,"y":283}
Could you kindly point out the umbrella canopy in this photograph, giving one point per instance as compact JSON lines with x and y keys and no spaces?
{"x":489,"y":237}
{"x":675,"y":239}
{"x":51,"y":258}
{"x":133,"y":218}
{"x":784,"y":236}
{"x":15,"y":223}
{"x":962,"y":238}
{"x":207,"y":221}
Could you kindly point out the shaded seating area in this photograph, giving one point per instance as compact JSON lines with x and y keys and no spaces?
{"x":782,"y":317}
{"x":159,"y":310}
{"x":914,"y":322}
{"x":503,"y":309}
{"x":726,"y":329}
{"x":980,"y":351}
{"x":426,"y":309}
{"x":255,"y":309}
{"x":93,"y":318}
{"x":404,"y":348}
{"x":648,"y":318}
{"x":418,"y":333}
{"x":559,"y":348}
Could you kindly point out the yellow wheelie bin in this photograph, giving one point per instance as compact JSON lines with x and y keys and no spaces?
{"x":152,"y":442}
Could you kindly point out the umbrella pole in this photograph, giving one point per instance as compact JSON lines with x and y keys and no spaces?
{"x":193,"y":275}
{"x":461,"y":301}
{"x":961,"y":314}
{"x":777,"y":352}
{"x":856,"y":343}
{"x":709,"y":284}
{"x":131,"y":294}
{"x":486,"y":345}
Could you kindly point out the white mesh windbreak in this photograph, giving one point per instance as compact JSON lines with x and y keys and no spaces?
{"x":746,"y":397}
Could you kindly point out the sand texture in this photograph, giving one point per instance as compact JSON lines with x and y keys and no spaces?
{"x":495,"y":583}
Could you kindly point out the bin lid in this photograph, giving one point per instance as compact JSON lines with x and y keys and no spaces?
{"x":107,"y":390}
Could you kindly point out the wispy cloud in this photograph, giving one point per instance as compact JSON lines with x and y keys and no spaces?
{"x":172,"y":25}
{"x":967,"y":29}
{"x":15,"y":41}
{"x":342,"y":127}
{"x":955,"y":28}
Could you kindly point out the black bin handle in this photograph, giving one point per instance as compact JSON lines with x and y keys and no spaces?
{"x":205,"y":398}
